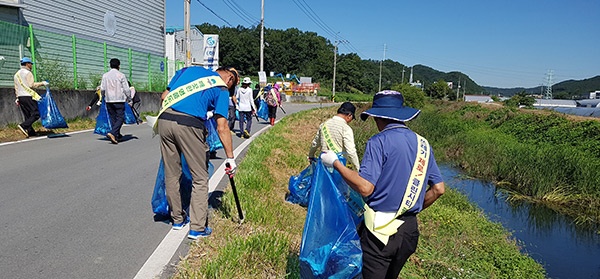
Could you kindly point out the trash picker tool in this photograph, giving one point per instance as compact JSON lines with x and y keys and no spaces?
{"x":235,"y":196}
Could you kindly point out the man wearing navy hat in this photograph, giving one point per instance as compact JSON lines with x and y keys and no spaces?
{"x":398,"y":178}
{"x":335,"y":134}
{"x":26,"y":97}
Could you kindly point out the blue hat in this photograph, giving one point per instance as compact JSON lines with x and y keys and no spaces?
{"x":26,"y":60}
{"x":390,"y":104}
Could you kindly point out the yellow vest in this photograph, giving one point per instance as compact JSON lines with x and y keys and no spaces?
{"x":187,"y":90}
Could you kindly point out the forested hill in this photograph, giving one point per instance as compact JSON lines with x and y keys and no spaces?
{"x":569,"y":89}
{"x":307,"y":54}
{"x":301,"y":53}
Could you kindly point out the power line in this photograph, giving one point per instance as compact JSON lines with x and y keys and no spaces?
{"x":230,"y":25}
{"x":236,"y":9}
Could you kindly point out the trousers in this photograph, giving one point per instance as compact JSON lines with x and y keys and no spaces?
{"x":177,"y":139}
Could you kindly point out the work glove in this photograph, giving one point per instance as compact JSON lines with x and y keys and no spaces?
{"x":45,"y":83}
{"x":328,"y":158}
{"x":17,"y":102}
{"x":88,"y":108}
{"x":209,"y":114}
{"x":232,"y":167}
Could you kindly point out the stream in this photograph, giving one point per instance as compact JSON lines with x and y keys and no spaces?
{"x":565,"y":249}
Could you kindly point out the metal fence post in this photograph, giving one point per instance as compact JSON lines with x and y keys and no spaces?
{"x":166,"y":71}
{"x":149,"y":75}
{"x":105,"y":66}
{"x":74,"y":44}
{"x":32,"y":50}
{"x":130,"y":64}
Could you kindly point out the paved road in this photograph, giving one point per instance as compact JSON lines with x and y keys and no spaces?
{"x":79,"y":207}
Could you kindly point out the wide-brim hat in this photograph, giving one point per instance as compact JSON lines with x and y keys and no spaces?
{"x":389,"y":104}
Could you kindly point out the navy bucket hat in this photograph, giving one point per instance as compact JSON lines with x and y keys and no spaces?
{"x":389,"y":104}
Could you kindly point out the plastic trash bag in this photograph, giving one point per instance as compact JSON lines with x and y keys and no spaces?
{"x":49,"y":113}
{"x":102,"y":121}
{"x":129,"y":115}
{"x":299,"y":186}
{"x":330,"y":245}
{"x":263,"y":110}
{"x":212,"y":138}
{"x":160,"y":205}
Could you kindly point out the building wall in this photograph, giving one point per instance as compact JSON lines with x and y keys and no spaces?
{"x":138,"y":24}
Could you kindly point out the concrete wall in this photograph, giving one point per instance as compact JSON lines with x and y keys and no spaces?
{"x":71,"y":104}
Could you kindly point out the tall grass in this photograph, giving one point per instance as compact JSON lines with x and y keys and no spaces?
{"x":543,"y":157}
{"x":456,"y":239}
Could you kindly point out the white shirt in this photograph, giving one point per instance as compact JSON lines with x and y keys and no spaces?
{"x":341,"y":134}
{"x":115,"y":88}
{"x":27,"y":78}
{"x":244,"y":99}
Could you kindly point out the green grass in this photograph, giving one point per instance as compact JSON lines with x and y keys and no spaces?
{"x":540,"y":157}
{"x":456,"y":239}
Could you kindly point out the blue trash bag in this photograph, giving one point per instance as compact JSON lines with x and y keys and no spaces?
{"x":237,"y":115}
{"x":49,"y":113}
{"x":330,"y":245}
{"x":129,"y":116}
{"x":160,"y":205}
{"x":102,"y":121}
{"x":299,"y":186}
{"x":263,"y":110}
{"x":212,"y":138}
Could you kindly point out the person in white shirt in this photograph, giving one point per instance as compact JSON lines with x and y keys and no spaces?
{"x":26,"y":97}
{"x":115,"y":89}
{"x":246,"y":107}
{"x":335,"y":134}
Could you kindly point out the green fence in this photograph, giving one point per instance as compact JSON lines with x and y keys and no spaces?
{"x":68,"y":62}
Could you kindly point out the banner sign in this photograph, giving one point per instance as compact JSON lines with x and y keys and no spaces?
{"x":211,"y":51}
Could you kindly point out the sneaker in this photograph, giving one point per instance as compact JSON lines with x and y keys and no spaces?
{"x":23,"y":131}
{"x":179,"y":226}
{"x":197,"y":234}
{"x":246,"y":134}
{"x":112,"y":138}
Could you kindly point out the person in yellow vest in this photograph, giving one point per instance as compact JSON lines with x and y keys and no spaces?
{"x":398,"y":178}
{"x":335,"y":134}
{"x":26,"y":97}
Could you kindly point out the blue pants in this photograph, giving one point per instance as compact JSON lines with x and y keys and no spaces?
{"x":245,"y":117}
{"x":116,"y":111}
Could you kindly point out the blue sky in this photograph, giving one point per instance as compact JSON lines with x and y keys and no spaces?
{"x":503,"y":44}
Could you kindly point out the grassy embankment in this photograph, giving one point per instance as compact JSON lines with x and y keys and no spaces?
{"x":539,"y":156}
{"x":456,"y":239}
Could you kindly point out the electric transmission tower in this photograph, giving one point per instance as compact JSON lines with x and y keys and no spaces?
{"x":548,"y":94}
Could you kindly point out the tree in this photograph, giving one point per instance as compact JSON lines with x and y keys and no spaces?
{"x":413,"y":96}
{"x":438,"y":90}
{"x":520,"y":99}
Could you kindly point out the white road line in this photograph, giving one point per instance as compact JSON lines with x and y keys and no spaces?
{"x":156,"y":263}
{"x":41,"y":138}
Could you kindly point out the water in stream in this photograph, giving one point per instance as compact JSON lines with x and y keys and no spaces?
{"x":565,"y":249}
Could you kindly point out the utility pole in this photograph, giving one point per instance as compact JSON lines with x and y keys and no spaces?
{"x":548,"y":94}
{"x":381,"y":67}
{"x":262,"y":35}
{"x":458,"y":89}
{"x":335,"y":44}
{"x":403,"y":74}
{"x":187,"y":31}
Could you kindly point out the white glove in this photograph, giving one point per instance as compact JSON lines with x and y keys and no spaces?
{"x":209,"y":114}
{"x":232,"y":167}
{"x":45,"y":83}
{"x":328,"y":158}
